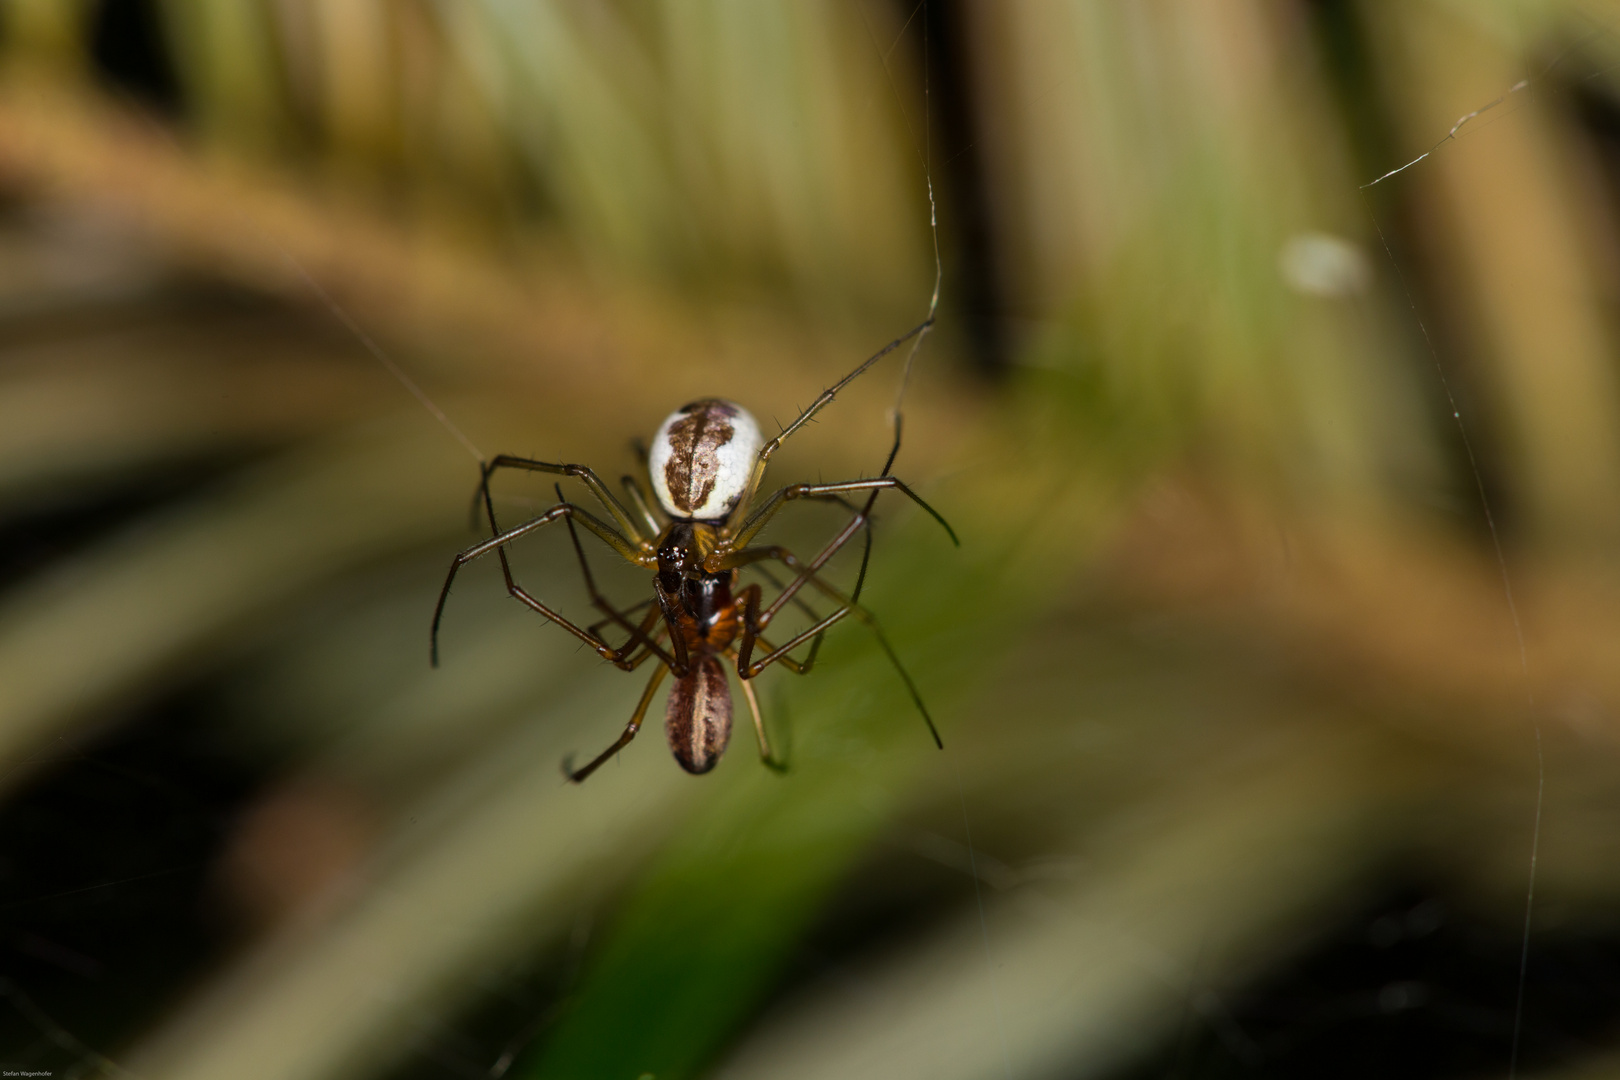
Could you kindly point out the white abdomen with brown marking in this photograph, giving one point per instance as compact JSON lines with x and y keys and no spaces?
{"x":702,"y":457}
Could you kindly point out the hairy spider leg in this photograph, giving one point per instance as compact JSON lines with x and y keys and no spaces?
{"x":630,"y":730}
{"x":769,"y":508}
{"x":748,"y":668}
{"x":866,"y":512}
{"x":861,"y":520}
{"x":838,"y":541}
{"x":776,"y":583}
{"x":638,"y":635}
{"x":866,"y":548}
{"x":758,"y":475}
{"x":756,"y":621}
{"x":621,"y":613}
{"x":804,"y":666}
{"x":651,"y":649}
{"x":605,"y":532}
{"x":765,"y":754}
{"x":632,"y":488}
{"x":600,"y":602}
{"x":585,"y":475}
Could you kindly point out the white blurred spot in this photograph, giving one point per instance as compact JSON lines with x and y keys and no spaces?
{"x":1319,"y":264}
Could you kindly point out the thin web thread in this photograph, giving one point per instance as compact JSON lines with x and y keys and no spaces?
{"x":933,"y":307}
{"x":342,"y":315}
{"x":1467,"y":118}
{"x":1458,"y":126}
{"x":337,"y":310}
{"x":924,"y":153}
{"x":1507,"y":591}
{"x":933,"y":303}
{"x":1535,"y":722}
{"x":1597,"y":29}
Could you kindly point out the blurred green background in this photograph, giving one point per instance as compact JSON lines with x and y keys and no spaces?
{"x":1283,"y":641}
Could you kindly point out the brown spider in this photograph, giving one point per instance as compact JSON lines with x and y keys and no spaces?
{"x":706,"y":465}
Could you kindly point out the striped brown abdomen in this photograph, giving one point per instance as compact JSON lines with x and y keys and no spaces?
{"x":697,"y":721}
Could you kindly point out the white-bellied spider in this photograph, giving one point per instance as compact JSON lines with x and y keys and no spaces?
{"x":706,"y":465}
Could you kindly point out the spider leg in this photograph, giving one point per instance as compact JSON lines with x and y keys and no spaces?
{"x":652,"y":629}
{"x":795,"y":666}
{"x":776,"y":583}
{"x":758,"y":475}
{"x":866,"y":511}
{"x":643,"y":507}
{"x":623,"y":612}
{"x":498,"y":544}
{"x":806,"y":573}
{"x":645,"y":654}
{"x":752,"y":556}
{"x":757,"y":520}
{"x":765,"y":754}
{"x":582,"y":473}
{"x":644,"y":638}
{"x":757,"y":621}
{"x":864,"y":515}
{"x":802,"y":667}
{"x":600,"y":602}
{"x":630,"y":730}
{"x":754,"y":621}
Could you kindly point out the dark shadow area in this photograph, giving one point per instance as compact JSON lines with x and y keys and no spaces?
{"x":130,"y":55}
{"x":971,"y":294}
{"x":52,"y":526}
{"x":893,"y":897}
{"x":105,"y":881}
{"x":1410,"y":988}
{"x":1598,"y":115}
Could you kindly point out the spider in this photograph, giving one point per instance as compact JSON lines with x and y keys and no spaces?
{"x":706,"y":465}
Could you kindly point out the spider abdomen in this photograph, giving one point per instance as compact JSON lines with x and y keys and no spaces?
{"x":697,"y":720}
{"x":702,"y":457}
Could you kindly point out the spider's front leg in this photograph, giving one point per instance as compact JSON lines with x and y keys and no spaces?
{"x":755,"y":521}
{"x":631,"y":553}
{"x":638,"y":634}
{"x":583,"y":473}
